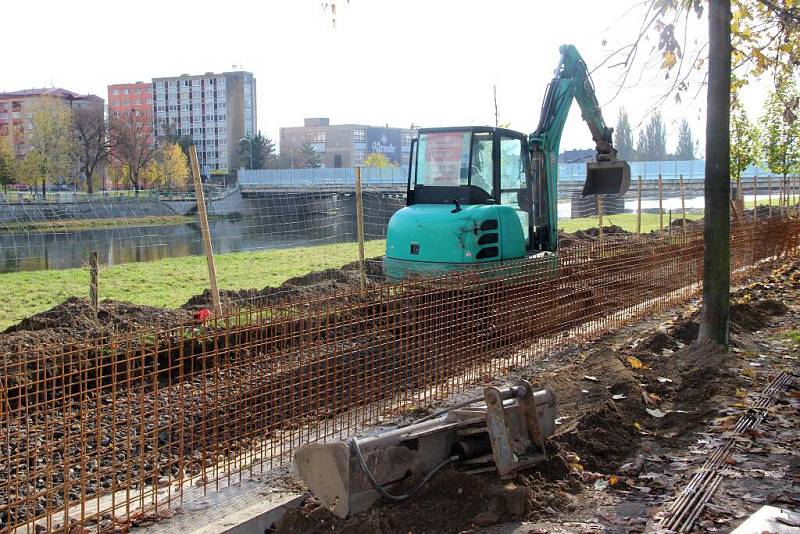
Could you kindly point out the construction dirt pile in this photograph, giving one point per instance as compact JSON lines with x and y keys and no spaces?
{"x":74,"y":320}
{"x":631,"y":407}
{"x":317,"y":283}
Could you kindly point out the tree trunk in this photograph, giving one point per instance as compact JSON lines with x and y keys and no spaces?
{"x":716,"y":258}
{"x":44,"y":188}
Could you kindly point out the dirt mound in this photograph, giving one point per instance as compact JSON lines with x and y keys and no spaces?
{"x":686,"y":330}
{"x":659,"y":341}
{"x":317,"y":283}
{"x":771,"y":307}
{"x":77,"y":316}
{"x":603,"y":438}
{"x":752,"y":316}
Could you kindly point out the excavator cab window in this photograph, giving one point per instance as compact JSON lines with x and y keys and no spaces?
{"x":482,"y":165}
{"x":515,"y":189}
{"x":452,"y":166}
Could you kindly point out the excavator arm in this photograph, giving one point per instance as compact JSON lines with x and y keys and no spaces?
{"x":606,"y":175}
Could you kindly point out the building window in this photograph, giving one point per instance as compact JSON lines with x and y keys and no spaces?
{"x":319,"y":137}
{"x":406,"y":138}
{"x":115,"y":92}
{"x":124,"y":91}
{"x":359,"y":135}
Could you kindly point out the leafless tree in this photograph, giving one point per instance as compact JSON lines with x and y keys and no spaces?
{"x":94,"y":142}
{"x":134,"y":146}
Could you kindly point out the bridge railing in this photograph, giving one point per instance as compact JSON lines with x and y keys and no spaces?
{"x":323,"y":177}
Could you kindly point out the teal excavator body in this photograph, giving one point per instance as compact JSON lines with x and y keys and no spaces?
{"x":482,"y":194}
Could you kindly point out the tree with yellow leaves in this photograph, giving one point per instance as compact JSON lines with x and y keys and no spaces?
{"x":175,"y":167}
{"x":51,"y":142}
{"x":376,"y":159}
{"x":8,"y":163}
{"x":169,"y":170}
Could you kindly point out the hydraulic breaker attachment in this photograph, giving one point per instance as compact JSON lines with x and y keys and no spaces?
{"x":505,"y":431}
{"x":607,"y":177}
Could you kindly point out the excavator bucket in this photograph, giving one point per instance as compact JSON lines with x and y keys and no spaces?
{"x":607,"y":178}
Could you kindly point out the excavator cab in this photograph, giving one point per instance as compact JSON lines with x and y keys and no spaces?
{"x":469,"y":200}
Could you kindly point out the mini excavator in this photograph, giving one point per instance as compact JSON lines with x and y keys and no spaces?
{"x":478,"y":194}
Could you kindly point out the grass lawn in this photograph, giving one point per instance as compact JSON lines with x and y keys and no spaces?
{"x":624,"y":220}
{"x":90,"y":224}
{"x":170,"y":282}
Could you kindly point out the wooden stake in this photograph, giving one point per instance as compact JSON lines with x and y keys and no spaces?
{"x":683,"y":206}
{"x":362,"y":268}
{"x":755,"y":198}
{"x":660,"y":206}
{"x":599,"y":202}
{"x":769,"y":196}
{"x":94,"y":269}
{"x":783,"y":196}
{"x":203,"y":216}
{"x":669,"y":227}
{"x":639,"y":208}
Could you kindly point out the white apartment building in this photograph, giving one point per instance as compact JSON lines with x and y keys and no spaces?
{"x":217,"y":110}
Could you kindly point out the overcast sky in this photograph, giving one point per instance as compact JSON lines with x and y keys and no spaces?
{"x":426,"y":62}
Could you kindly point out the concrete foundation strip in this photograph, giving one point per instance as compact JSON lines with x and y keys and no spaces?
{"x":685,"y":510}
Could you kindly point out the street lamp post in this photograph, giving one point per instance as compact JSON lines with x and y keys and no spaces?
{"x":251,"y":149}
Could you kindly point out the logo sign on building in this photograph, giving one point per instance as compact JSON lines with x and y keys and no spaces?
{"x":384,"y":141}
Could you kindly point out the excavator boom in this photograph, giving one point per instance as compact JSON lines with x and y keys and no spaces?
{"x":607,"y":175}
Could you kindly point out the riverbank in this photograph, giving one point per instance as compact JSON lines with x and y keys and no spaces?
{"x":54,"y":225}
{"x":170,"y":282}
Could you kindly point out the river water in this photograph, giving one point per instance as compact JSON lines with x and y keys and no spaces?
{"x":38,"y":250}
{"x":60,"y":249}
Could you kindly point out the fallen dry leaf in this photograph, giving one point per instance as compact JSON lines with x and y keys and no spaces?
{"x":635,"y":363}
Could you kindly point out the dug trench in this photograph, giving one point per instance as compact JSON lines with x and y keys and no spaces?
{"x":632,"y":408}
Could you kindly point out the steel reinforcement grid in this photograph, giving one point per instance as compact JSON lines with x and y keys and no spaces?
{"x":104,"y":432}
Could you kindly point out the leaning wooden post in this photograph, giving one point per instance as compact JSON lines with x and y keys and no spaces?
{"x":599,"y":206}
{"x":660,"y":205}
{"x":639,"y":207}
{"x":203,"y":216}
{"x":683,"y":205}
{"x":362,"y":268}
{"x":93,"y":289}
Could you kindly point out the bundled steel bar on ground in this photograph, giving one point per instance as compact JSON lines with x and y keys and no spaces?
{"x":685,"y":510}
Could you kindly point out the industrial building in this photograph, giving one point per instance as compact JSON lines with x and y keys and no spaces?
{"x":346,"y":145}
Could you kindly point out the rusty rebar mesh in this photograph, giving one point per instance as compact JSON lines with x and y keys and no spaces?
{"x":103,"y":431}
